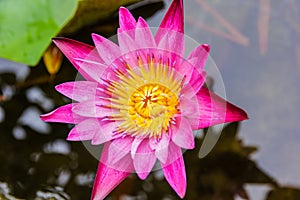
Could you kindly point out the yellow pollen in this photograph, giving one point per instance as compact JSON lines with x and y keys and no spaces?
{"x":145,"y":99}
{"x":152,"y":107}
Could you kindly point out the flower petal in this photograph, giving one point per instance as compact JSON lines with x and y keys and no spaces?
{"x":161,"y":148}
{"x":143,"y":35}
{"x":92,"y":68}
{"x":107,"y":177}
{"x":105,"y":133}
{"x":182,"y":134}
{"x":213,"y":110}
{"x":106,"y":180}
{"x":199,"y":56}
{"x":188,"y":106}
{"x":184,"y":68}
{"x":195,"y":83}
{"x":144,"y":159}
{"x":63,"y":114}
{"x":85,"y":130}
{"x":77,"y":50}
{"x":108,"y":50}
{"x":172,"y":44}
{"x":124,"y":163}
{"x":128,"y":49}
{"x":173,"y":20}
{"x":197,"y":79}
{"x":126,"y":42}
{"x":169,"y":36}
{"x":126,"y":21}
{"x":79,"y":90}
{"x":119,"y":148}
{"x":92,"y":109}
{"x":135,"y":144}
{"x":175,"y":171}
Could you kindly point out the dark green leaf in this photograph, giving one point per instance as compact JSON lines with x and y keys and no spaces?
{"x":284,"y":193}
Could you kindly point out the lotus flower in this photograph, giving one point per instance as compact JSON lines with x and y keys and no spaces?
{"x":141,"y":99}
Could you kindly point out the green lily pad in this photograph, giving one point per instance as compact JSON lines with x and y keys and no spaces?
{"x":26,"y":27}
{"x":286,"y":193}
{"x":90,"y":12}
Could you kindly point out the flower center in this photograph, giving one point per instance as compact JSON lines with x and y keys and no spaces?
{"x":145,"y":99}
{"x":151,"y":108}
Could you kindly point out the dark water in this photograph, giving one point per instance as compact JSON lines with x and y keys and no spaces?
{"x":257,"y":159}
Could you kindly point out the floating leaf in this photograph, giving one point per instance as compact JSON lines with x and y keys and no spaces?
{"x":286,"y":193}
{"x":90,"y":12}
{"x":26,"y":27}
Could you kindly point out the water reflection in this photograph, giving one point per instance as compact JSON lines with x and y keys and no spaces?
{"x":262,"y":76}
{"x":37,"y":162}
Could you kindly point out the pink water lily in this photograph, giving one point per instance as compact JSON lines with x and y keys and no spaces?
{"x":141,"y":99}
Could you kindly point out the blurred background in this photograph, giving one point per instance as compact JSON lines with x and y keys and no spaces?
{"x":254,"y":43}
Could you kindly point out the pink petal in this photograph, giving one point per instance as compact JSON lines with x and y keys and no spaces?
{"x":173,"y":20}
{"x":93,"y":69}
{"x":143,"y":35}
{"x":105,"y":133}
{"x":213,"y":110}
{"x":190,"y":109}
{"x":135,"y":144}
{"x":77,"y":50}
{"x":106,"y":180}
{"x":161,"y":148}
{"x":92,"y":109}
{"x":197,"y":80}
{"x":188,"y":106}
{"x":182,"y":134}
{"x":107,"y":177}
{"x":108,"y":50}
{"x":74,"y":135}
{"x":199,"y":56}
{"x":123,"y":164}
{"x":175,"y":171}
{"x":126,"y":21}
{"x":126,"y":43}
{"x":79,"y":90}
{"x":63,"y":114}
{"x":119,"y":148}
{"x":195,"y":83}
{"x":172,"y":44}
{"x":128,"y":48}
{"x":85,"y":130}
{"x":185,"y":69}
{"x":144,"y":159}
{"x":169,"y":36}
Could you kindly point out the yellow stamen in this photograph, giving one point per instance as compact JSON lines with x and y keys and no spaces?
{"x":145,"y":98}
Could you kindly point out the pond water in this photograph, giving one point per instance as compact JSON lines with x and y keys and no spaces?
{"x":261,"y":73}
{"x":256,"y":47}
